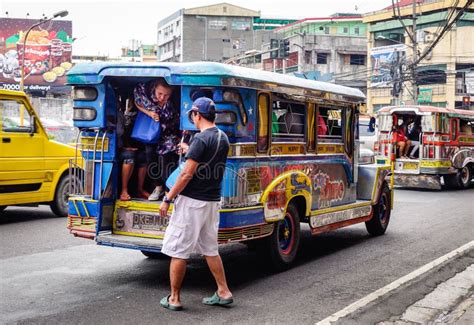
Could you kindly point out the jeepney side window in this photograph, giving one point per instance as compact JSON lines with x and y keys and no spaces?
{"x":466,"y":126}
{"x":263,"y":119}
{"x":329,"y":124}
{"x":385,"y":122}
{"x":311,"y":127}
{"x":288,"y":121}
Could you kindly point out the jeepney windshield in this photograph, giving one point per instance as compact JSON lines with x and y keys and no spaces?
{"x":438,"y":123}
{"x":385,"y":122}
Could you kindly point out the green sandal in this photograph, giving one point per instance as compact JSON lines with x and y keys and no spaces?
{"x":215,"y":300}
{"x":165,"y":303}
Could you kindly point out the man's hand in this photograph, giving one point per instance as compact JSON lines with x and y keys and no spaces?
{"x":183,"y":148}
{"x":164,"y":207}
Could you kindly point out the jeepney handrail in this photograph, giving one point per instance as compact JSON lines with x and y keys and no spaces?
{"x":101,"y":166}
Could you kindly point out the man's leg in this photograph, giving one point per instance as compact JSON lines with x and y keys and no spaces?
{"x":177,"y":272}
{"x":127,"y":170}
{"x":217,"y":269}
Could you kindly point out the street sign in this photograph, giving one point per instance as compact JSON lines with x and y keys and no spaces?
{"x":425,"y":95}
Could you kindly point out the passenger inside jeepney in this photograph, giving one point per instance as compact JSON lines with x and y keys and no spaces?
{"x":132,"y":153}
{"x":414,"y":132}
{"x":402,"y":142}
{"x":466,"y":127}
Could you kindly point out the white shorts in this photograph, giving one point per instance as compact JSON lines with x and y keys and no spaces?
{"x":192,"y":228}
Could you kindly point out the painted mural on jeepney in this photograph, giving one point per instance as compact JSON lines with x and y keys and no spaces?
{"x":330,"y":186}
{"x":294,"y":184}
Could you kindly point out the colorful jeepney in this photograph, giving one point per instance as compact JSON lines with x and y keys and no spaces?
{"x":446,"y":146}
{"x":284,"y":166}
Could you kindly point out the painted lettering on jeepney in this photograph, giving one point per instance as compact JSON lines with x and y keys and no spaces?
{"x":330,"y":190}
{"x":277,"y":197}
{"x":149,"y":221}
{"x":299,"y":184}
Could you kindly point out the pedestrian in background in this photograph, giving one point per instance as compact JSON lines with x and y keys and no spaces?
{"x":194,"y":223}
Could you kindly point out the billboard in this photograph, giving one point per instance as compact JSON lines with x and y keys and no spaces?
{"x":47,"y":55}
{"x":386,"y":61}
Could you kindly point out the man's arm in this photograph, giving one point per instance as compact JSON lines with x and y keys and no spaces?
{"x":183,"y":179}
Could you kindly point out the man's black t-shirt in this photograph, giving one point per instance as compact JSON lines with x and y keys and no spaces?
{"x":210,"y":151}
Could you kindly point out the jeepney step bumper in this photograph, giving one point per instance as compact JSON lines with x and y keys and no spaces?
{"x":140,"y":243}
{"x":432,"y":182}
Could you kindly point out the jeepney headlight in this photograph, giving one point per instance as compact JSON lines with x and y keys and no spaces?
{"x":225,"y":118}
{"x":84,"y":114}
{"x":85,"y":93}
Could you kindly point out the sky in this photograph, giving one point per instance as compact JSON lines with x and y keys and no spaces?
{"x":103,"y":27}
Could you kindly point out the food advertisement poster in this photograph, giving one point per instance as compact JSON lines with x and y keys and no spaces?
{"x":47,"y":54}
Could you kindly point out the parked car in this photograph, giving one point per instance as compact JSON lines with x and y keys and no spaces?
{"x":33,"y":168}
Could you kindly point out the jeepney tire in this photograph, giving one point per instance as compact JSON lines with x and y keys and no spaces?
{"x":282,"y":246}
{"x":59,"y":206}
{"x":155,"y":255}
{"x":3,"y":207}
{"x":378,"y":224}
{"x":461,"y":179}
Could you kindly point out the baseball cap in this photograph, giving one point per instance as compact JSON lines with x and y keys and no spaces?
{"x":203,"y":105}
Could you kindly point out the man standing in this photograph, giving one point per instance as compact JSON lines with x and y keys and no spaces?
{"x":194,"y":222}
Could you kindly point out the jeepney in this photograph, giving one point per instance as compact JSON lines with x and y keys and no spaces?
{"x":282,"y":169}
{"x":446,"y":146}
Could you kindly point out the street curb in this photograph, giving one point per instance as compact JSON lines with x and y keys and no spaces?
{"x":403,"y":281}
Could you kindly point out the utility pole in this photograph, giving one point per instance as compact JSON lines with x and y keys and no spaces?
{"x":414,"y":81}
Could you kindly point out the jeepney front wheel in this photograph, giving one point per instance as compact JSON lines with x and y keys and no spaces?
{"x":282,"y":246}
{"x":461,"y":179}
{"x":381,"y":215}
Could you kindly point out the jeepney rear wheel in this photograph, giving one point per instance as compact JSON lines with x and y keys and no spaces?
{"x":461,"y":179}
{"x":381,"y":216}
{"x":155,"y":255}
{"x":2,"y":207}
{"x":282,"y":246}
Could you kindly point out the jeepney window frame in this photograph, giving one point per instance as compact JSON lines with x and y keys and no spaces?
{"x":259,"y":127}
{"x":328,"y":138}
{"x":311,"y":127}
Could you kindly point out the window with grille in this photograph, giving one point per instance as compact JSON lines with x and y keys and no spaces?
{"x":288,"y":121}
{"x":329,"y":124}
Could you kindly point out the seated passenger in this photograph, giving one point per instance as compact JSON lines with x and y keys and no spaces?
{"x":403,"y":144}
{"x":322,"y":127}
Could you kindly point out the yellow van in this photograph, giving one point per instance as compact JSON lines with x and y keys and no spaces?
{"x":33,"y":169}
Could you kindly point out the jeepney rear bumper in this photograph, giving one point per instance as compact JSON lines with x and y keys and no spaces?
{"x":418,"y":181}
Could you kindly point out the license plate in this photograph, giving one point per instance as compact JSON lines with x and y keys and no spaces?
{"x":410,"y":165}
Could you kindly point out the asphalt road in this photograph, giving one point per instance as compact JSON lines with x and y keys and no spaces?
{"x":50,"y":277}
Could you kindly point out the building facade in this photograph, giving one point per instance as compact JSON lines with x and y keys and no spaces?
{"x":445,"y":75}
{"x":332,"y":49}
{"x":210,"y":33}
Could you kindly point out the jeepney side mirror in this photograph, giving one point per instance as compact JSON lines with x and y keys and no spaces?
{"x":372,"y":124}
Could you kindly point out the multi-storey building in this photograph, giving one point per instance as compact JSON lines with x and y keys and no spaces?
{"x":445,"y":75}
{"x":210,"y":33}
{"x":330,"y":49}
